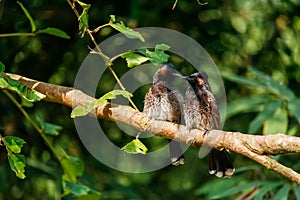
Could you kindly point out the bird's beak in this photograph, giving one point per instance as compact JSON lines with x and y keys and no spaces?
{"x":179,"y":75}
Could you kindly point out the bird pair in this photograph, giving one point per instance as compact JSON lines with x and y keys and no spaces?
{"x":163,"y":102}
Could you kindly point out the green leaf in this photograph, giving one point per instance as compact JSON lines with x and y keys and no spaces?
{"x":245,"y":169}
{"x":112,"y":18}
{"x":17,"y":164}
{"x":54,"y":31}
{"x":273,"y":86}
{"x":294,"y":108}
{"x":296,"y":189}
{"x":278,"y":123}
{"x":84,"y":5}
{"x":111,"y":95}
{"x":2,"y":67}
{"x":26,"y":103}
{"x":242,"y":80}
{"x":73,"y":167}
{"x":282,"y":193}
{"x":243,"y":105}
{"x":84,"y":110}
{"x":13,"y":143}
{"x":48,"y":128}
{"x":134,"y":59}
{"x":25,"y":92}
{"x":265,"y":114}
{"x":32,"y":24}
{"x":83,"y":18}
{"x":264,"y":82}
{"x":158,"y":56}
{"x":81,"y":191}
{"x":237,"y":189}
{"x":162,"y":47}
{"x":83,"y":23}
{"x":3,"y":83}
{"x":135,"y":147}
{"x":219,"y":186}
{"x":81,"y":111}
{"x":264,"y":189}
{"x":128,"y":32}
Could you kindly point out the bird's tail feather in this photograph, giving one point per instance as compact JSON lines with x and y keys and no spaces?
{"x":176,"y":154}
{"x":219,"y":164}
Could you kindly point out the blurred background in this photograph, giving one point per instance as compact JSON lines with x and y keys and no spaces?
{"x":255,"y":44}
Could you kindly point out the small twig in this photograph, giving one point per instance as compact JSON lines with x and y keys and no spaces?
{"x":174,"y":5}
{"x":17,"y":34}
{"x":100,"y":27}
{"x":202,"y":4}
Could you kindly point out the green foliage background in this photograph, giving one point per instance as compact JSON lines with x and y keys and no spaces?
{"x":242,"y":37}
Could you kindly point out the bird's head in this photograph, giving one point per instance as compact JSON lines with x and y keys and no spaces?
{"x":166,"y":73}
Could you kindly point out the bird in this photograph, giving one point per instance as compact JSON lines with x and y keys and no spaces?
{"x":163,"y":102}
{"x":201,"y":112}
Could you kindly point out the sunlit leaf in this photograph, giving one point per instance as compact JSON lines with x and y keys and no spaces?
{"x":2,"y":67}
{"x":48,"y":128}
{"x":54,"y":31}
{"x":27,"y":14}
{"x":26,"y":103}
{"x":81,"y":111}
{"x":73,"y":167}
{"x":128,"y":32}
{"x":81,"y":191}
{"x":84,"y":110}
{"x":278,"y":123}
{"x":17,"y":164}
{"x":112,"y":18}
{"x":3,"y":83}
{"x":282,"y":193}
{"x":83,"y":5}
{"x":134,"y":59}
{"x":135,"y":147}
{"x":265,"y":114}
{"x":158,"y":56}
{"x":83,"y":18}
{"x":161,"y":47}
{"x":27,"y":93}
{"x":244,"y":105}
{"x":111,"y":95}
{"x":13,"y":143}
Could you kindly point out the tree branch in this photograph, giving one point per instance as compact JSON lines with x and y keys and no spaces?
{"x":255,"y":147}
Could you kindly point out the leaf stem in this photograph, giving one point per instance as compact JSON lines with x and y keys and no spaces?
{"x":100,"y":27}
{"x":17,"y":34}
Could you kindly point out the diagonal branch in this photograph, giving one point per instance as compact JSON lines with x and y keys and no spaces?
{"x":255,"y":147}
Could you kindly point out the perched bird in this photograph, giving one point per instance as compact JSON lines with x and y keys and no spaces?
{"x":162,"y":102}
{"x":201,"y":112}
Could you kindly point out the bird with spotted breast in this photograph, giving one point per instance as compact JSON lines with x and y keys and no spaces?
{"x":201,"y":112}
{"x":163,"y":102}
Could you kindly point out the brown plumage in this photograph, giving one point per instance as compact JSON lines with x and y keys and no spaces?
{"x":162,"y":102}
{"x":201,"y":112}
